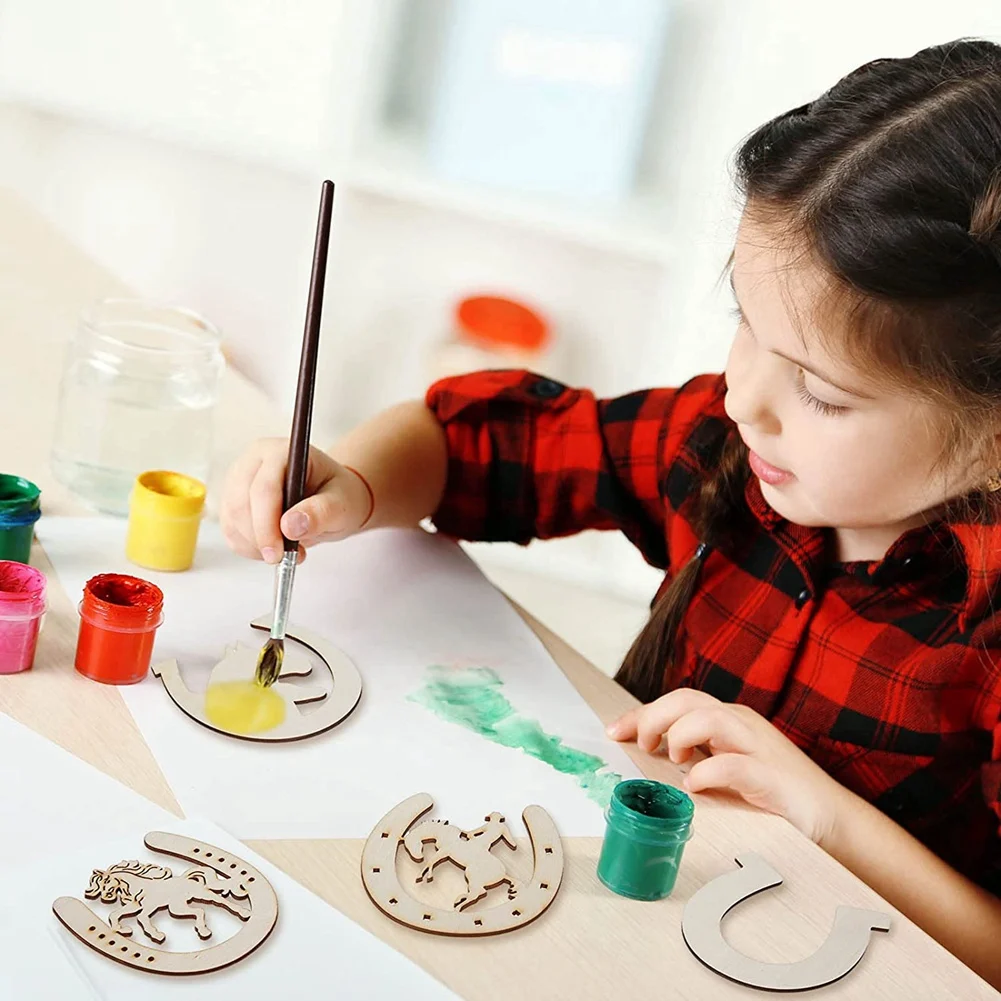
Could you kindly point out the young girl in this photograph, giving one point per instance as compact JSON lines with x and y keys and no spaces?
{"x":825,"y":511}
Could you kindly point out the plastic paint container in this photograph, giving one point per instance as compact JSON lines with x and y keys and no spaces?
{"x":119,"y":616}
{"x":22,"y":605}
{"x":649,"y":824}
{"x":19,"y":510}
{"x":165,"y":512}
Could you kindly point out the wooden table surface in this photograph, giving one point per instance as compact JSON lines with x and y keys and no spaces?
{"x":591,"y":943}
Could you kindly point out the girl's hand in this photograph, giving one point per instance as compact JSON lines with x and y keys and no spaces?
{"x":747,"y":755}
{"x":337,"y":502}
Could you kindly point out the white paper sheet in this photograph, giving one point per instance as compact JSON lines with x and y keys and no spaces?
{"x":396,"y":602}
{"x":314,"y":951}
{"x":35,"y":963}
{"x":48,"y":795}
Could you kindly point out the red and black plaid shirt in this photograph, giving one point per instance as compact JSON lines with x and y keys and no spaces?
{"x":885,"y":673}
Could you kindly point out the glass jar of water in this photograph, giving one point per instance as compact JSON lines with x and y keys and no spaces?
{"x":139,"y":390}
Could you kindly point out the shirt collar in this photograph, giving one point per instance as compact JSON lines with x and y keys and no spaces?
{"x":975,"y":547}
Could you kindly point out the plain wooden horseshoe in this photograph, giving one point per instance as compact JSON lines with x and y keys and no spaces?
{"x":337,"y":706}
{"x":840,"y":954}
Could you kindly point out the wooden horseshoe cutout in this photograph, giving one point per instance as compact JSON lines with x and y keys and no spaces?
{"x":337,"y":704}
{"x":433,"y":842}
{"x":839,"y":955}
{"x":141,"y":890}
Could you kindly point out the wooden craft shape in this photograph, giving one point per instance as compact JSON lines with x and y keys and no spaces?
{"x":141,"y":890}
{"x":433,"y":842}
{"x":839,"y":955}
{"x":337,"y":703}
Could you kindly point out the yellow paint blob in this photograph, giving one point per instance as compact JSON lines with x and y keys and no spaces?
{"x":243,"y":707}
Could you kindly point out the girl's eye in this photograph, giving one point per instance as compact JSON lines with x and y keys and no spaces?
{"x":827,"y":409}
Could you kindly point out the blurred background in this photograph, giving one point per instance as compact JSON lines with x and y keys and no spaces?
{"x":570,"y":157}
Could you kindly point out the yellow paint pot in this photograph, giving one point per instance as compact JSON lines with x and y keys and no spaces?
{"x":165,"y":510}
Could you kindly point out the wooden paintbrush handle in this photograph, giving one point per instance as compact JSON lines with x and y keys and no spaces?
{"x":302,"y":416}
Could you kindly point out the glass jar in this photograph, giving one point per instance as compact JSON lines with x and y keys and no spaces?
{"x":139,"y":390}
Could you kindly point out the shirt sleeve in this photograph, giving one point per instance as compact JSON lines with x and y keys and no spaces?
{"x":531,"y":458}
{"x":987,"y":710}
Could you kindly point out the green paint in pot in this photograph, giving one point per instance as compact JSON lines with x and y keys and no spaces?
{"x":649,"y":824}
{"x":19,"y":510}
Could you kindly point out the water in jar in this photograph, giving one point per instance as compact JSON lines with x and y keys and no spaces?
{"x":139,"y":390}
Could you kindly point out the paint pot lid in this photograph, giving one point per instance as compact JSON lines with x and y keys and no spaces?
{"x":20,"y":582}
{"x":17,"y":493}
{"x":651,"y":808}
{"x":501,"y":322}
{"x":163,"y":493}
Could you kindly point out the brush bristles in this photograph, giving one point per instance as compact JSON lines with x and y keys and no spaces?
{"x":269,"y":663}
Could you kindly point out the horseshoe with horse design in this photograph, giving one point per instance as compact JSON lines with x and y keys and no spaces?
{"x":139,"y":891}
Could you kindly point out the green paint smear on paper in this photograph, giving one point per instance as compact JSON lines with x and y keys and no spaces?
{"x":472,"y":697}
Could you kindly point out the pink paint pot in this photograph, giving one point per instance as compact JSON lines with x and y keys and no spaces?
{"x":22,"y":605}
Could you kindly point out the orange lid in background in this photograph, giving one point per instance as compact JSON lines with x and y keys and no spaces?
{"x":503,"y":322}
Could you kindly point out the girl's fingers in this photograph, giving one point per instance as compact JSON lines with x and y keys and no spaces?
{"x":322,"y":514}
{"x":718,"y":726}
{"x":661,"y":713}
{"x":240,"y":544}
{"x":665,"y":712}
{"x":234,"y":511}
{"x":624,"y":728}
{"x":265,"y":498}
{"x":743,"y":774}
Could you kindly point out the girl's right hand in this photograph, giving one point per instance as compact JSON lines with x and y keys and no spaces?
{"x":336,"y":505}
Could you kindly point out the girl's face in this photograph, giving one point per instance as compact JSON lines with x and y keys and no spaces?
{"x":830,"y":446}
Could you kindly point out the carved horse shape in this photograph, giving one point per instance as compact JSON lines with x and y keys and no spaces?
{"x":144,"y":889}
{"x":469,"y":850}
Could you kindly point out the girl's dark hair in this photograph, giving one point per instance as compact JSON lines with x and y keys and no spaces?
{"x":891,"y":183}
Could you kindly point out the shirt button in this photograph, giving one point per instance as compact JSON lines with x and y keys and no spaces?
{"x":802,"y":598}
{"x":546,"y":389}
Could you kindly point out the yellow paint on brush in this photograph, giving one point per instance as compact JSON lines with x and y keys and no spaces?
{"x":243,"y":707}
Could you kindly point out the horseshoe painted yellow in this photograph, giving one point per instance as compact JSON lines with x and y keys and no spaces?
{"x":332,"y":709}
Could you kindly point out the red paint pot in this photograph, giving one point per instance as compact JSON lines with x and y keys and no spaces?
{"x":119,"y":616}
{"x":22,"y":604}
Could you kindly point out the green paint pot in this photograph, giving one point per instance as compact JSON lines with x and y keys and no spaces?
{"x":19,"y":510}
{"x":648,"y":826}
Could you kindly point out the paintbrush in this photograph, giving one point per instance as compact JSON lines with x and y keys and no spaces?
{"x":269,"y":663}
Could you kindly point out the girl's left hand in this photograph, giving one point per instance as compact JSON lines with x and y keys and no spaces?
{"x":748,"y":756}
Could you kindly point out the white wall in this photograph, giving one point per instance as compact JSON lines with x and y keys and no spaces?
{"x":764,"y":57}
{"x":212,"y":202}
{"x":232,"y":235}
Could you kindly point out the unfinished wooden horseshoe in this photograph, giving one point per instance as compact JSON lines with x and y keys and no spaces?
{"x":141,"y":890}
{"x":337,"y":704}
{"x":433,"y":842}
{"x":838,"y":956}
